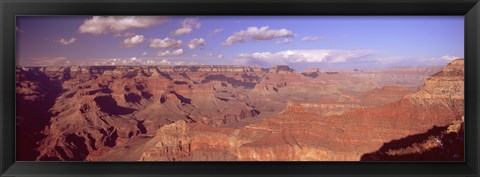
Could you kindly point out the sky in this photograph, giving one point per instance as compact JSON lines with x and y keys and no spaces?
{"x":301,"y":42}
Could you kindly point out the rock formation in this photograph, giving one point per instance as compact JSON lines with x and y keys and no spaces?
{"x":232,"y":113}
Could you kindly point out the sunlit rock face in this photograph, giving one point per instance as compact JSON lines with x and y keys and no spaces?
{"x":232,"y":113}
{"x":444,"y":89}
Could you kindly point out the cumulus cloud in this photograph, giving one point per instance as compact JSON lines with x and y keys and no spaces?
{"x":125,"y":61}
{"x":285,"y":41}
{"x":179,"y":63}
{"x":187,"y":26}
{"x":178,"y":52}
{"x":111,"y":61}
{"x":166,"y":43}
{"x":133,"y":41}
{"x":449,"y":57}
{"x":312,"y":38}
{"x":63,"y":41}
{"x":182,"y":31}
{"x":302,"y":56}
{"x":215,"y":31}
{"x":150,"y":62}
{"x":170,"y":53}
{"x":209,"y":54}
{"x":218,"y":30}
{"x":165,"y":62}
{"x":196,"y":42}
{"x":256,"y":34}
{"x":144,"y":53}
{"x":104,"y":24}
{"x":213,"y":55}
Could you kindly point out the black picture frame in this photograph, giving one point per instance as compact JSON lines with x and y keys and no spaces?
{"x":11,"y":8}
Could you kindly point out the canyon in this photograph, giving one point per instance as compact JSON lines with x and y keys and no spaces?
{"x":239,"y":113}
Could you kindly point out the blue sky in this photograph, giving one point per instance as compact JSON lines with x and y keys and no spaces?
{"x":298,"y":41}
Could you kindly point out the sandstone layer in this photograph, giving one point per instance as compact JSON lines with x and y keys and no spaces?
{"x":226,"y":113}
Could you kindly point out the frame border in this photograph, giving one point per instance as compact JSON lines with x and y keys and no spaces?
{"x":10,"y":8}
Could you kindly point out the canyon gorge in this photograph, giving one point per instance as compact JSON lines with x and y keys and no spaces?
{"x":239,"y":113}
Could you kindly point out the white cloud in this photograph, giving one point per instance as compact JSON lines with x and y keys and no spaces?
{"x":194,"y":55}
{"x":110,"y":61}
{"x":170,"y":53}
{"x":179,"y":63}
{"x":104,"y":24}
{"x":215,"y":31}
{"x":63,"y":41}
{"x":187,"y":26}
{"x":123,"y":61}
{"x":302,"y":56}
{"x":449,"y":57}
{"x":144,"y":53}
{"x":218,"y":30}
{"x":256,"y":34}
{"x":285,"y":41}
{"x":166,"y":43}
{"x":312,"y":38}
{"x":178,"y":52}
{"x":149,"y":62}
{"x":165,"y":61}
{"x":197,"y":42}
{"x":213,"y":55}
{"x":182,"y":31}
{"x":133,"y":41}
{"x":137,"y":61}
